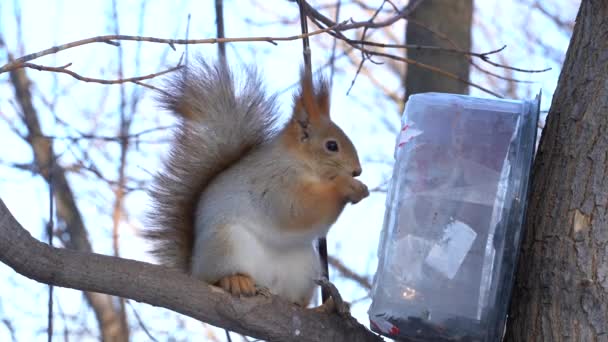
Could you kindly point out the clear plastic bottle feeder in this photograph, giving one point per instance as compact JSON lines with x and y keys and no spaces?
{"x":455,"y":210}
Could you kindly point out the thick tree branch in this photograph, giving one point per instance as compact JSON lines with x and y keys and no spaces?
{"x":268,"y":318}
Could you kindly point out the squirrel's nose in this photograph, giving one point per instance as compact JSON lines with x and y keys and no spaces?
{"x":357,"y":172}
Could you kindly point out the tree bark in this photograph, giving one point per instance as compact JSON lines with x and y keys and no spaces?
{"x":449,"y":17}
{"x":561,"y":290}
{"x":264,"y":317}
{"x":113,"y":326}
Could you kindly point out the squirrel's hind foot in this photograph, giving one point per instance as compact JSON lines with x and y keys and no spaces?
{"x":238,"y":285}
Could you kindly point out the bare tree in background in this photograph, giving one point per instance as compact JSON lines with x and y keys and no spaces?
{"x":453,"y":18}
{"x":112,"y":322}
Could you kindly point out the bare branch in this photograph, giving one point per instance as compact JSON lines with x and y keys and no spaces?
{"x":269,"y":318}
{"x":219,"y":22}
{"x":563,"y":24}
{"x":359,"y":44}
{"x":320,"y":20}
{"x":141,"y":323}
{"x":111,"y":39}
{"x":11,"y":329}
{"x":349,"y":274}
{"x":305,"y":41}
{"x":430,"y":68}
{"x":64,"y":70}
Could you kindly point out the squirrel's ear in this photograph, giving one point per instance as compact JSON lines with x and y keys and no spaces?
{"x":323,"y":97}
{"x":311,"y":105}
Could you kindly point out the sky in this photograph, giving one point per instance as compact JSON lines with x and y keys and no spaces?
{"x":364,"y":113}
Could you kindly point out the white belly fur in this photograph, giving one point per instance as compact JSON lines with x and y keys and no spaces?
{"x":288,"y":272}
{"x":287,"y":269}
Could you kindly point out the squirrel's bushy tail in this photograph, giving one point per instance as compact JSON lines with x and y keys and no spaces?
{"x":220,"y":121}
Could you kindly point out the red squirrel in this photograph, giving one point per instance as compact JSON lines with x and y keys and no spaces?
{"x":240,"y":201}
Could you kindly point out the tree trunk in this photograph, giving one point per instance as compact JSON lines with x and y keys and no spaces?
{"x":450,"y":18}
{"x":561,"y":290}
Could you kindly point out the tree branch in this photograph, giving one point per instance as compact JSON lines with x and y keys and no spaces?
{"x":350,"y":274}
{"x":113,"y":38}
{"x":64,"y":70}
{"x":269,"y":318}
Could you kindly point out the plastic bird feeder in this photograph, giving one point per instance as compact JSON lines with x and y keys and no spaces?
{"x":454,"y":217}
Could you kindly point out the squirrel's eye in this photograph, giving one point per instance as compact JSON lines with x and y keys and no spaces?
{"x":331,"y":145}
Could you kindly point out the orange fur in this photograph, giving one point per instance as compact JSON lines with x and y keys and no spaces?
{"x":319,"y":203}
{"x":237,"y":285}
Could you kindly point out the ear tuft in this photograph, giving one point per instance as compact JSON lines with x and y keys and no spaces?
{"x":311,"y":104}
{"x":323,"y":96}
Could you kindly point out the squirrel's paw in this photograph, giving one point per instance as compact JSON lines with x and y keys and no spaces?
{"x":238,"y":285}
{"x":356,"y":190}
{"x":359,"y":192}
{"x":352,"y":189}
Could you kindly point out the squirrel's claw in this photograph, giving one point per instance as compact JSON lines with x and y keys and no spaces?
{"x":238,"y":285}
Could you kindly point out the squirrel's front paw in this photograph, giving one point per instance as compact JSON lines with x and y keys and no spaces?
{"x":358,"y":191}
{"x":238,"y":284}
{"x":352,"y":189}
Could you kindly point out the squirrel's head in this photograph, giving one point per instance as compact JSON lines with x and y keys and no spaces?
{"x":314,"y":137}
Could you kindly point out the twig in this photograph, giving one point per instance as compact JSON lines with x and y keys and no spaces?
{"x":219,"y":22}
{"x":350,"y":274}
{"x":428,"y":67}
{"x":333,"y":48}
{"x":423,"y":66}
{"x":87,"y":136}
{"x":564,"y":25}
{"x":10,"y":328}
{"x":320,"y":18}
{"x":63,"y":69}
{"x":49,"y":230}
{"x":111,"y":39}
{"x":486,"y":71}
{"x":364,"y":56}
{"x":140,"y":322}
{"x":305,"y":41}
{"x":370,"y":76}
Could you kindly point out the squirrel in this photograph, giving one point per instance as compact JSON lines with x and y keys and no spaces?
{"x":240,"y":199}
